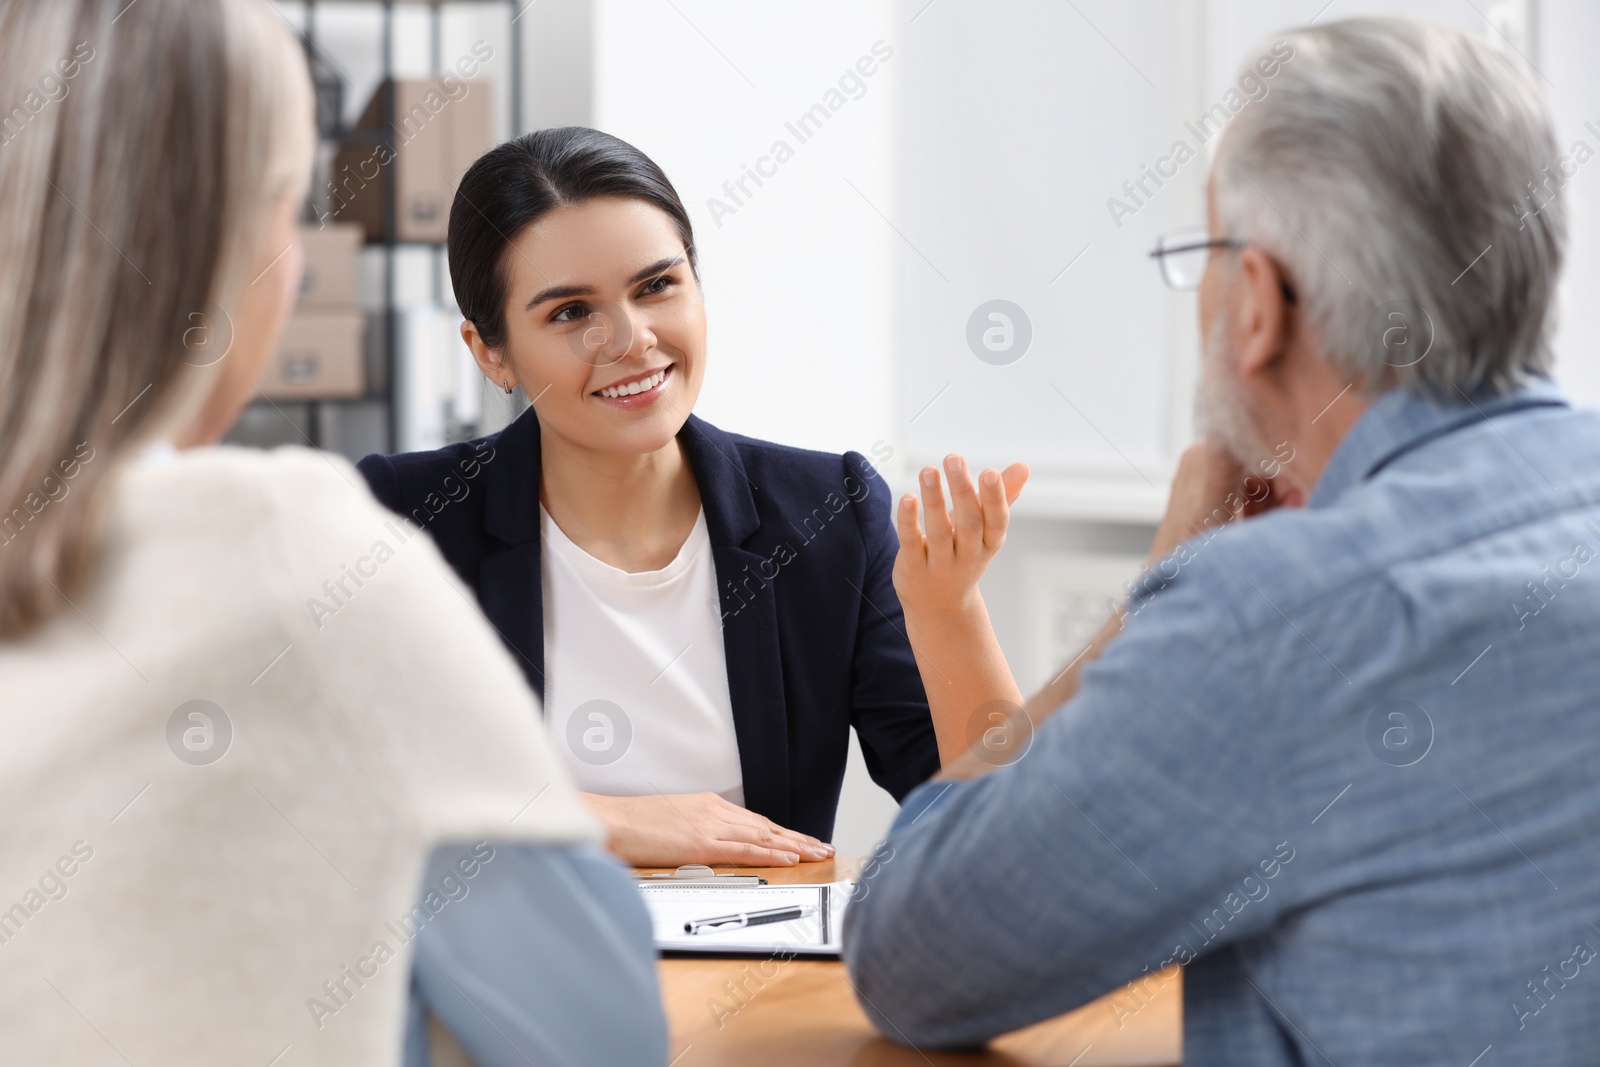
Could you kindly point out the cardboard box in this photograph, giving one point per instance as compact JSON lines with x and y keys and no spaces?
{"x":438,"y":131}
{"x":319,"y":357}
{"x":332,"y":252}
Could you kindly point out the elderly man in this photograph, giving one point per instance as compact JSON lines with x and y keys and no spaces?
{"x":1342,"y":760}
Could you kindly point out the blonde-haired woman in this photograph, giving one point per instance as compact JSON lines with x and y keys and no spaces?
{"x":218,"y":808}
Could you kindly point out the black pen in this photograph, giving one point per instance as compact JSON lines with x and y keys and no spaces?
{"x":739,"y":920}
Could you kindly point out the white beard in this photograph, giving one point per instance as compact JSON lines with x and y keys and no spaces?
{"x":1222,"y":411}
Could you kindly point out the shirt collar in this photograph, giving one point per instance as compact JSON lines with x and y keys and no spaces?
{"x":1403,"y":419}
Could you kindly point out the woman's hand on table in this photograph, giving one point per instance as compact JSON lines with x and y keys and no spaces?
{"x":668,"y":830}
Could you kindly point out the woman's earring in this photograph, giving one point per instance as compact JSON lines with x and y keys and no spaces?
{"x":505,"y":383}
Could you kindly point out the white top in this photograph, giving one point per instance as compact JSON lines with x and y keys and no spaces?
{"x":180,"y":888}
{"x":636,"y":679}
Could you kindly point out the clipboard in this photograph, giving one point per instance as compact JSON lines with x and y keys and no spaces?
{"x":813,"y":936}
{"x":700,"y":874}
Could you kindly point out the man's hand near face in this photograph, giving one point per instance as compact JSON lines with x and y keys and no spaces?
{"x":1212,"y":488}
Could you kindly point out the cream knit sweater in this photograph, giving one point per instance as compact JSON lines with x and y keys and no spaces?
{"x":162,"y":906}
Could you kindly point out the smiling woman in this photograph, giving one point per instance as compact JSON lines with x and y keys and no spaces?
{"x":702,"y":702}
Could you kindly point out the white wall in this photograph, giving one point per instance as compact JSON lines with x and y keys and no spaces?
{"x":1020,"y":123}
{"x":797,"y":279}
{"x":1567,"y":33}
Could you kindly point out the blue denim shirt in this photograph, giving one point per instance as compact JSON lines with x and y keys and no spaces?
{"x":1344,"y":764}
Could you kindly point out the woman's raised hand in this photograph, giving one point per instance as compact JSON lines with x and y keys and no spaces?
{"x":670,"y":830}
{"x":942,"y":558}
{"x":936,"y":573}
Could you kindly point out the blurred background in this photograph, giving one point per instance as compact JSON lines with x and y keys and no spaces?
{"x":923,"y":227}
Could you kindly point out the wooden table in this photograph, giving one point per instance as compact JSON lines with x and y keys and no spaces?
{"x":805,"y":1015}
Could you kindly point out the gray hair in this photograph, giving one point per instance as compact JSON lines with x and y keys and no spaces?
{"x":146,"y":148}
{"x":1405,"y":173}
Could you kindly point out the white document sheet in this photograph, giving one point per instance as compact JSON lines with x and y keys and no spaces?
{"x":816,"y":934}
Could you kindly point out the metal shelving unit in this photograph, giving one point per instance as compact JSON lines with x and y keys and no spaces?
{"x":389,"y":318}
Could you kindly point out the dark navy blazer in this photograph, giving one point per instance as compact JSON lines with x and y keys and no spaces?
{"x":812,"y":628}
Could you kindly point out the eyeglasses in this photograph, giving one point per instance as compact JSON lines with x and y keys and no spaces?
{"x":1183,"y":256}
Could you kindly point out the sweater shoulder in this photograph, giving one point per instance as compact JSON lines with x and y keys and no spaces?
{"x":313,"y":507}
